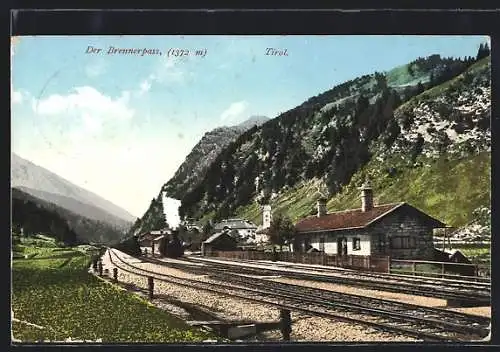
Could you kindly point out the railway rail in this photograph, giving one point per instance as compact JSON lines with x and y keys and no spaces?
{"x":458,"y":281}
{"x":466,"y":292}
{"x":424,"y":323}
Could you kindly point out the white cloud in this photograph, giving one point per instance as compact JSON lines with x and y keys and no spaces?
{"x":83,"y":116}
{"x":95,"y":69}
{"x":145,"y":87}
{"x":85,"y":100}
{"x":16,"y":97}
{"x":234,"y":111}
{"x":91,"y":123}
{"x":168,"y":71}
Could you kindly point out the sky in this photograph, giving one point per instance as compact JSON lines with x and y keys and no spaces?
{"x":120,"y":124}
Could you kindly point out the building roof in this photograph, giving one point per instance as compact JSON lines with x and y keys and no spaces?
{"x":455,"y":253}
{"x":216,"y":236}
{"x":238,"y":224}
{"x":156,"y":239}
{"x":152,"y":235}
{"x":159,"y":232}
{"x":353,"y":218}
{"x":146,"y":236}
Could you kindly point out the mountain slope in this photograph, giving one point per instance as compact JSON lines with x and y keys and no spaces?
{"x":371,"y":125}
{"x":42,"y":182}
{"x":84,"y":209}
{"x":252,"y":121}
{"x":194,"y":167}
{"x":37,"y":215}
{"x":329,"y":137}
{"x":193,"y":170}
{"x":449,"y":179}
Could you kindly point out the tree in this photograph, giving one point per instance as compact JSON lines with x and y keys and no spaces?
{"x":236,"y":235}
{"x":381,"y":81}
{"x":362,"y":104}
{"x":417,"y":148}
{"x":483,"y":51}
{"x":281,"y":231}
{"x":160,"y":221}
{"x":410,"y":70}
{"x":207,"y":230}
{"x":420,"y":88}
{"x":129,"y":245}
{"x":482,"y":215}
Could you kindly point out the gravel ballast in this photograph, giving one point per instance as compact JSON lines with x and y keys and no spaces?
{"x":304,"y":327}
{"x":398,"y":297}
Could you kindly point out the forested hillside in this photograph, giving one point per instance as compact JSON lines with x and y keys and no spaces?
{"x":447,"y":173}
{"x":38,"y":216}
{"x":332,"y":136}
{"x":400,"y":127}
{"x":192,"y":171}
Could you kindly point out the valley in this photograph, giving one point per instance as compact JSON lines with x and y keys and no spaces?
{"x":361,"y":214}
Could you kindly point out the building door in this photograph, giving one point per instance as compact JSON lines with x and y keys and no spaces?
{"x":307,"y":244}
{"x":381,"y":244}
{"x":342,"y":246}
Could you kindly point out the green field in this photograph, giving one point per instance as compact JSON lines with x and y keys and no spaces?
{"x":59,"y":296}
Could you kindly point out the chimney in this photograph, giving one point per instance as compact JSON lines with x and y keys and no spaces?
{"x":321,"y":207}
{"x":366,"y":196}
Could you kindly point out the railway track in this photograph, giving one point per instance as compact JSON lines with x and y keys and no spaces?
{"x":457,"y":291}
{"x":459,"y":282}
{"x":418,"y":311}
{"x":424,"y":323}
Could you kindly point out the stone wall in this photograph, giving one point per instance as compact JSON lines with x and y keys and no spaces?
{"x":403,"y":224}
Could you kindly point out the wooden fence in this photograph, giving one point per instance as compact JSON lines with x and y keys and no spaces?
{"x":476,"y":272}
{"x":358,"y":262}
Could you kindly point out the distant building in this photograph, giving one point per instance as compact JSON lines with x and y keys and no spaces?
{"x":261,"y":235}
{"x":455,"y":256}
{"x":245,"y":228}
{"x":148,"y":238}
{"x":220,"y":241}
{"x":398,"y":230}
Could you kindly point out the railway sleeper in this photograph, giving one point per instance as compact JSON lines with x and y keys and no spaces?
{"x":464,"y":303}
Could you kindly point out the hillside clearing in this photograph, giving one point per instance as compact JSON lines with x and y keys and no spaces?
{"x":449,"y":190}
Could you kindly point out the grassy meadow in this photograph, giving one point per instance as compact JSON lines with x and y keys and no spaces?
{"x":54,"y":298}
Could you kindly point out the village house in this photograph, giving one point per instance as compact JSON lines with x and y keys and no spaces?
{"x":150,"y":238}
{"x":398,"y":230}
{"x":245,"y":228}
{"x":220,"y":241}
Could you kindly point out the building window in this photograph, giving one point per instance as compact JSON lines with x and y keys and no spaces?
{"x":403,"y":242}
{"x":356,"y":244}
